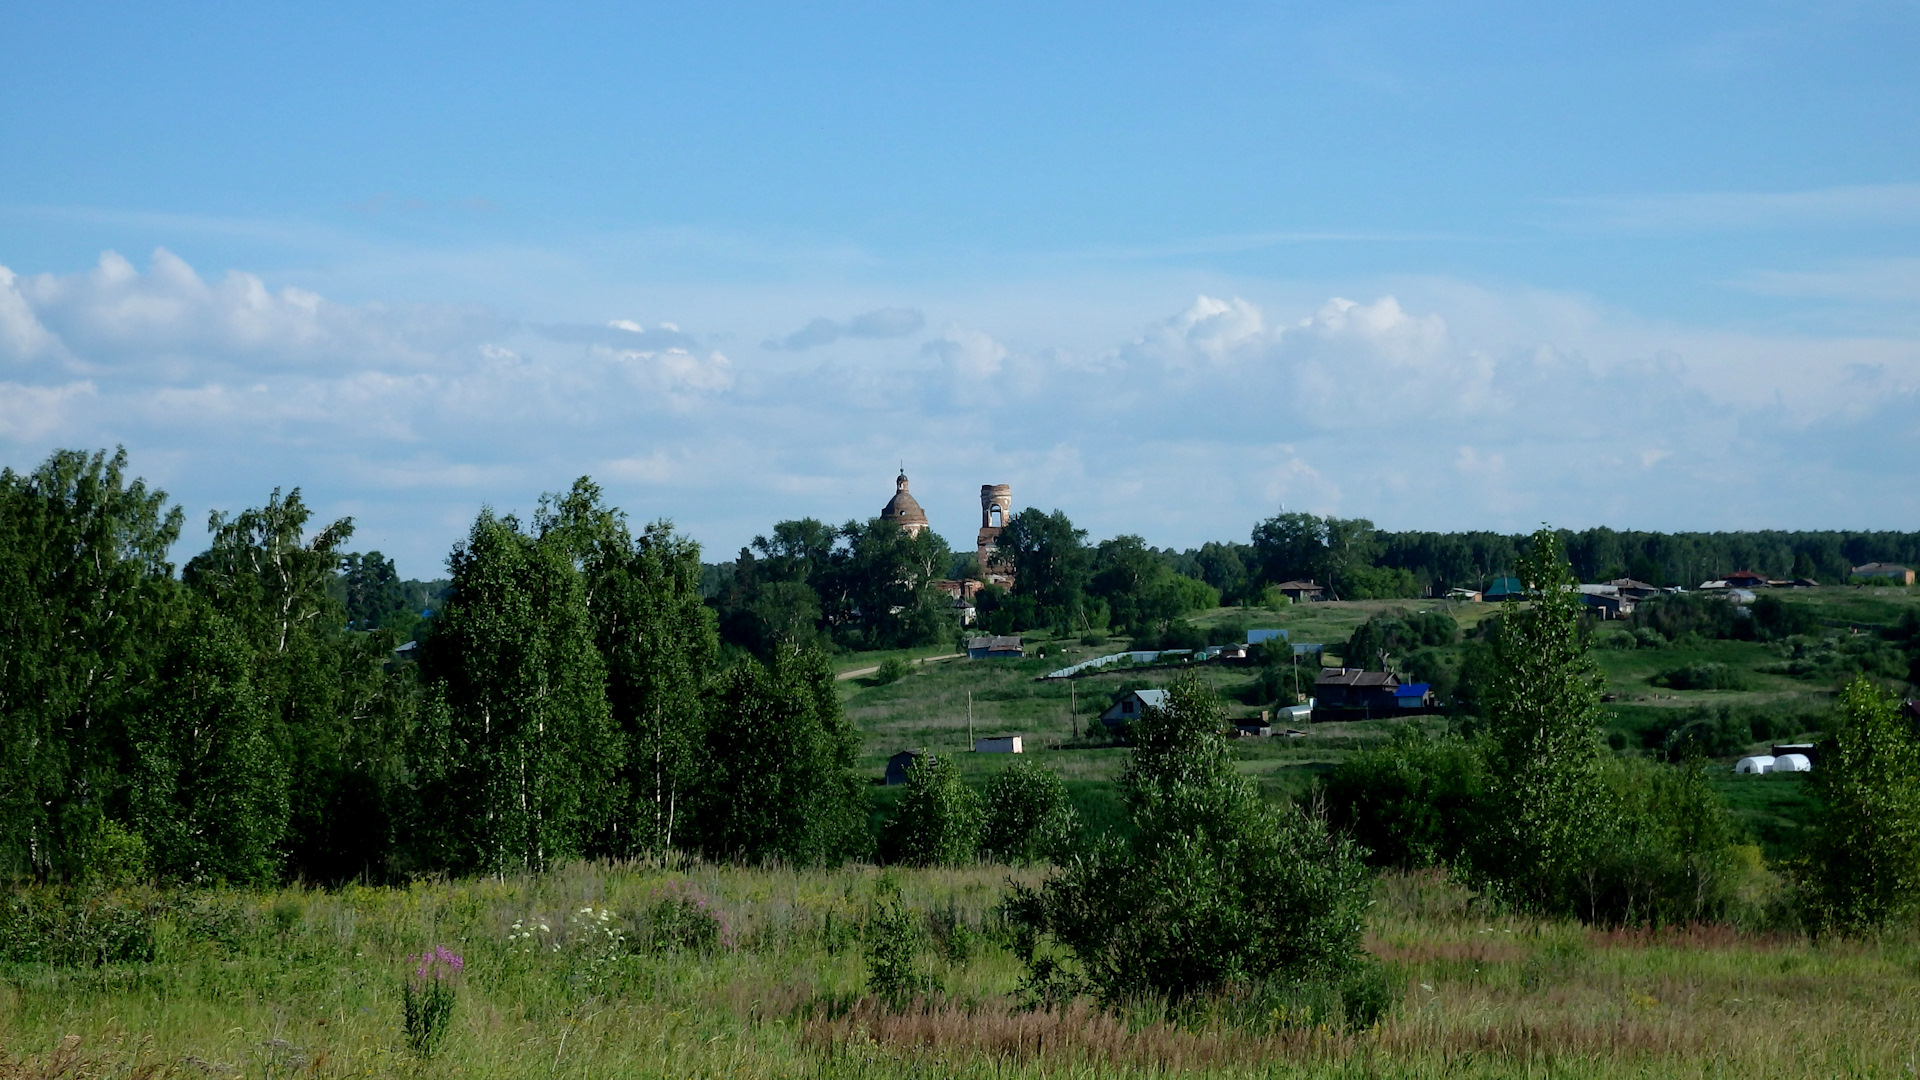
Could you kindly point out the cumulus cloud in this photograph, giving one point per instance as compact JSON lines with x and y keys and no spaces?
{"x":890,"y":322}
{"x":1445,"y":410}
{"x":115,"y":316}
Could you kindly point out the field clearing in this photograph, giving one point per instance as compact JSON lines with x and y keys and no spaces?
{"x":306,"y":983}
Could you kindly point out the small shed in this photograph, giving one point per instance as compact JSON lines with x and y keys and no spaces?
{"x":994,"y":648}
{"x":1252,"y":727}
{"x":998,"y":744}
{"x":1295,"y":714}
{"x":1413,"y":695}
{"x":1758,"y":763}
{"x":1131,"y":704}
{"x":899,"y":764}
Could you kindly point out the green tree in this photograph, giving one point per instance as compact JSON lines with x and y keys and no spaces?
{"x":882,"y":586}
{"x":1214,"y":889}
{"x":1051,"y":565}
{"x":335,"y":716}
{"x":206,"y":785}
{"x":778,"y":781}
{"x":519,"y":752}
{"x":85,"y":587}
{"x":1539,"y":701}
{"x":660,"y":645}
{"x":940,"y":820}
{"x":1029,"y":817}
{"x":1864,"y":870}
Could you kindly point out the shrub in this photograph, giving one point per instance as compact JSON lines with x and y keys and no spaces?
{"x":1614,"y":639}
{"x":1215,"y":888}
{"x":1664,"y":853}
{"x":1701,"y":675}
{"x":682,"y":920}
{"x":939,"y":821}
{"x":1028,"y":816}
{"x":1706,"y":614}
{"x":891,"y":942}
{"x":892,"y":670}
{"x":1412,"y":803}
{"x":72,"y":928}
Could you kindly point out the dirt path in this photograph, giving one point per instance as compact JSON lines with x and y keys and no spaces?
{"x":857,"y":672}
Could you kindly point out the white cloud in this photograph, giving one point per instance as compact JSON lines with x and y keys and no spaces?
{"x":21,"y":335}
{"x":29,"y":414}
{"x":1437,"y":406}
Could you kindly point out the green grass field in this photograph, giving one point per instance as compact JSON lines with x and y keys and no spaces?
{"x":299,"y":983}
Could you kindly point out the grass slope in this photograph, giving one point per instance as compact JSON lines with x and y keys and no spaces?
{"x":297,"y":983}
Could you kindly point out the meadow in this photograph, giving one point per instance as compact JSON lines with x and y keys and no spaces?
{"x":564,"y":975}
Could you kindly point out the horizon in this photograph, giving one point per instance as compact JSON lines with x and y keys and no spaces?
{"x":1166,"y":270}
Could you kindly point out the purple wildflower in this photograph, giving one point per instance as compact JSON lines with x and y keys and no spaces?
{"x":437,"y":964}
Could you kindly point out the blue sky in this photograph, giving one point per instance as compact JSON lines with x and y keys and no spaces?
{"x":1166,"y":267}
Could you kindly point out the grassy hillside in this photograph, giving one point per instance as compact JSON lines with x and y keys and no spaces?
{"x":575,"y":974}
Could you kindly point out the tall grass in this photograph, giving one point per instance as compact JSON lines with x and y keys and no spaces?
{"x":300,"y":982}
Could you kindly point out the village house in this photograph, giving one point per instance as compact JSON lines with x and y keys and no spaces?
{"x":999,"y":744}
{"x":1349,"y":690}
{"x":1635,"y":590}
{"x":1300,"y":592}
{"x":1502,"y":587}
{"x":1606,"y":601}
{"x":1899,"y":575}
{"x":994,"y":648}
{"x":1130,"y":705}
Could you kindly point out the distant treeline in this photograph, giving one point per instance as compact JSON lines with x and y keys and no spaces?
{"x":868,"y":586}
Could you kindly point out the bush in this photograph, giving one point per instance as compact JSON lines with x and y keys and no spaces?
{"x":1411,"y":804}
{"x":1708,"y":615}
{"x":939,"y":821}
{"x":892,"y":670}
{"x":891,"y":944}
{"x":1028,"y":816}
{"x":1664,"y":855}
{"x":1215,"y":888}
{"x":71,"y":928}
{"x":1702,"y":675}
{"x":682,"y":920}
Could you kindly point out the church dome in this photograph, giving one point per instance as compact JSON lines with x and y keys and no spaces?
{"x":903,"y":511}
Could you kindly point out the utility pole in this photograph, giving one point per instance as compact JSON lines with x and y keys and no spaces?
{"x":969,"y":719}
